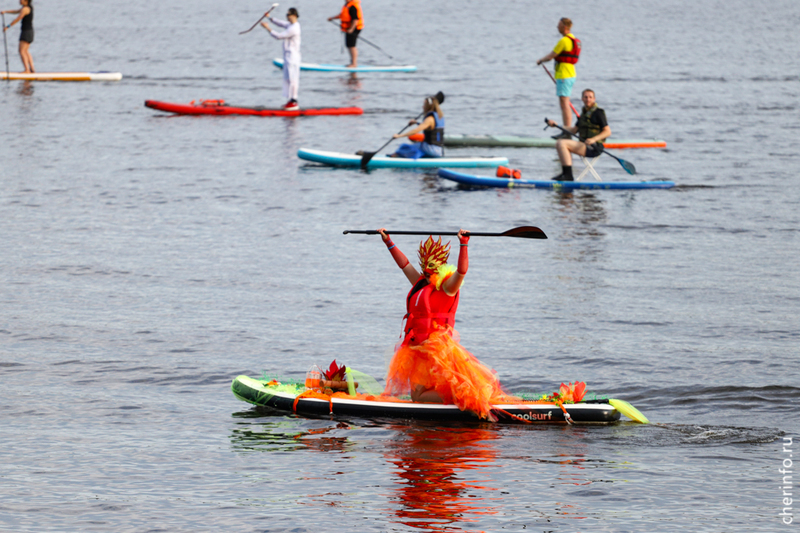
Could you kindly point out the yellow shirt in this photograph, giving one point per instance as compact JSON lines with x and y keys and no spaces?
{"x":564,"y":70}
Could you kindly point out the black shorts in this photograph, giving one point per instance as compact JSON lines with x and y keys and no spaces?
{"x":594,"y":150}
{"x":351,"y":38}
{"x":26,"y":35}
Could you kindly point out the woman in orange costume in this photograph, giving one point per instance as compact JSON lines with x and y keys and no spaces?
{"x":430,"y":364}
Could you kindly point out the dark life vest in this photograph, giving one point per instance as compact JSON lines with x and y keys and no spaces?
{"x":435,"y":136}
{"x":573,"y":55}
{"x":588,"y":128}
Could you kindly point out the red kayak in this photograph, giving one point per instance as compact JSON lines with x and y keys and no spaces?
{"x":219,"y":107}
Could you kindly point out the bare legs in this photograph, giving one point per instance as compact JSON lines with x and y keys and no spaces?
{"x":567,"y":147}
{"x":353,"y":57}
{"x":25,"y":56}
{"x":420,"y":394}
{"x":566,"y":111}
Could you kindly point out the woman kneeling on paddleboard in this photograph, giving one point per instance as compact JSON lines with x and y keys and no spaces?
{"x":429,"y":363}
{"x":432,"y":126}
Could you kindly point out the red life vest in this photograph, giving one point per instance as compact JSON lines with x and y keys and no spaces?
{"x":345,"y":15}
{"x":573,"y":55}
{"x":427,"y":310}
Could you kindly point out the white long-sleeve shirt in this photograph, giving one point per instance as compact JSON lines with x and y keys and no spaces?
{"x":290,"y":38}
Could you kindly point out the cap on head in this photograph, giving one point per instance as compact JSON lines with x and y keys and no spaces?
{"x":293,"y":11}
{"x":432,"y":254}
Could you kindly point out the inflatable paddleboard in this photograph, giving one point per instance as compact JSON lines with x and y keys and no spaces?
{"x":62,"y":76}
{"x":341,"y":68}
{"x":219,"y":107}
{"x":289,"y":399}
{"x":339,"y":159}
{"x":541,"y":142}
{"x":508,"y":183}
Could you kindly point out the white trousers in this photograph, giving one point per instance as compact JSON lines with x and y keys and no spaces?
{"x":291,"y":79}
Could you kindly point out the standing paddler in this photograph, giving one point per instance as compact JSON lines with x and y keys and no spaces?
{"x":352,"y":22}
{"x":429,"y":364}
{"x":24,"y":14}
{"x":291,"y":55}
{"x":566,"y":53}
{"x":592,"y":130}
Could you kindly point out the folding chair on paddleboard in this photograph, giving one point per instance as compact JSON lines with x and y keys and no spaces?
{"x":589,"y":168}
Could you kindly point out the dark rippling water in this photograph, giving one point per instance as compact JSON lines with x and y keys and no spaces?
{"x":147,"y":260}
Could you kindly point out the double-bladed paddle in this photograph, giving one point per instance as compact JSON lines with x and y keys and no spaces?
{"x":259,"y":20}
{"x":367,"y":156}
{"x":522,"y":232}
{"x":627,"y":165}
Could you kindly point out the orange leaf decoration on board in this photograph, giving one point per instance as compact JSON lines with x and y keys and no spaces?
{"x":572,"y":392}
{"x":335,"y":372}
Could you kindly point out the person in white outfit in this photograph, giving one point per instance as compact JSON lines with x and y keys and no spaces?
{"x":291,"y":55}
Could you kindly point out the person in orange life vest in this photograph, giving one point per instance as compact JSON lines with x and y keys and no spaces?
{"x":566,"y":53}
{"x":429,"y":363}
{"x":352,"y":22}
{"x":432,"y":128}
{"x":25,"y":14}
{"x":592,"y":130}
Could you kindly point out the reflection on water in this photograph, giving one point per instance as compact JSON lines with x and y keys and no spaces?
{"x":584,"y":209}
{"x":438,"y":476}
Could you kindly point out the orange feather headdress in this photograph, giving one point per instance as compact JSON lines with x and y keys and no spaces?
{"x":432,"y":254}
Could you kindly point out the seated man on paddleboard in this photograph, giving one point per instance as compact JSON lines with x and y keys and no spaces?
{"x":430,"y":364}
{"x":432,"y":126}
{"x":592,"y":130}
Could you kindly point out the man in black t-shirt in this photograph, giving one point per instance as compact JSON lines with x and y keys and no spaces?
{"x":592,"y":129}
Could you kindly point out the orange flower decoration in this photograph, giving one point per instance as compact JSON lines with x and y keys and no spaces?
{"x":433,"y":254}
{"x":572,"y":392}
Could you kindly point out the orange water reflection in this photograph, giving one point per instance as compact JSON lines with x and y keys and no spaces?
{"x":439,"y":482}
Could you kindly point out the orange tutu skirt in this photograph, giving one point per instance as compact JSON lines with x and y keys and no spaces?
{"x":442,"y":364}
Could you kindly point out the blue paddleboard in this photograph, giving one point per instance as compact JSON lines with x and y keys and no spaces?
{"x":509,"y":183}
{"x":339,"y":159}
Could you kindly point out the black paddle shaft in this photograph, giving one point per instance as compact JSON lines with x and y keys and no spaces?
{"x":367,"y":156}
{"x":522,"y":232}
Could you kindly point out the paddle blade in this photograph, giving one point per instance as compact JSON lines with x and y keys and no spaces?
{"x":440,"y":97}
{"x":628,"y":166}
{"x":628,"y":410}
{"x":366,"y":158}
{"x":525,"y":232}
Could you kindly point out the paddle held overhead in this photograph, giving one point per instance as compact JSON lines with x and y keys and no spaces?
{"x":522,"y":232}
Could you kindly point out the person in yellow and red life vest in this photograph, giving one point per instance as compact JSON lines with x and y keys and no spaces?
{"x":592,"y":130}
{"x":432,"y":127}
{"x":25,"y":14}
{"x":429,"y":363}
{"x":352,"y":22}
{"x":566,"y":53}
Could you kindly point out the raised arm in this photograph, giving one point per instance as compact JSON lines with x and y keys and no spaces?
{"x":400,"y":258}
{"x":453,"y":283}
